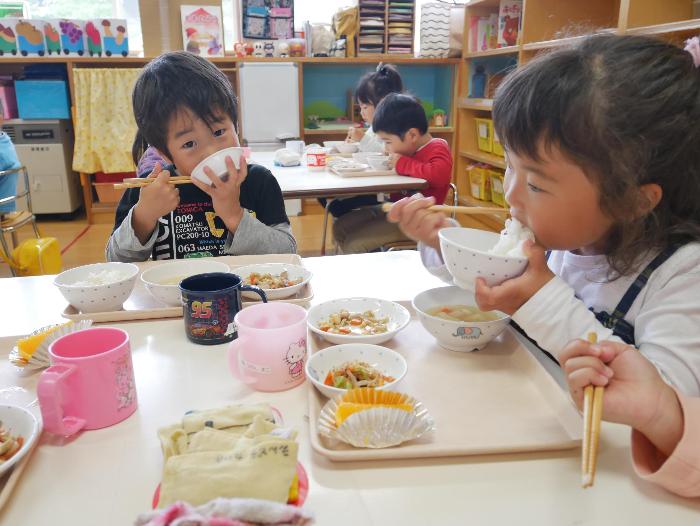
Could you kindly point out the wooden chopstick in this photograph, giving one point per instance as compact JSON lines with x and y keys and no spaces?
{"x":592,"y":416}
{"x":465,"y":210}
{"x":140,"y":183}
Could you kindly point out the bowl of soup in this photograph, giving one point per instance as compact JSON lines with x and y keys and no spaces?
{"x":451,"y":315}
{"x":163,"y":279}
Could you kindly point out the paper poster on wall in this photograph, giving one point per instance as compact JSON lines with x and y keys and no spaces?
{"x":202,"y":30}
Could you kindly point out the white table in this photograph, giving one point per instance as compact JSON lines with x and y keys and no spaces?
{"x":107,"y":476}
{"x":300,"y":182}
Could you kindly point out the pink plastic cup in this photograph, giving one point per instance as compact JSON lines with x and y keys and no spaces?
{"x":91,"y":382}
{"x":270,"y":350}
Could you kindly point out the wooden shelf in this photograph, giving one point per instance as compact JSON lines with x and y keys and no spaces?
{"x":484,"y":157}
{"x":483,"y":3}
{"x":344,"y":130}
{"x":374,"y":59}
{"x":475,"y":104}
{"x":548,"y":44}
{"x":468,"y":200}
{"x":508,"y":50}
{"x":493,"y":220}
{"x":665,"y":29}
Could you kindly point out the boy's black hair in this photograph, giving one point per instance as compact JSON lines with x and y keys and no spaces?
{"x":168,"y":84}
{"x":626,"y":109}
{"x":376,"y":85}
{"x":397,"y":113}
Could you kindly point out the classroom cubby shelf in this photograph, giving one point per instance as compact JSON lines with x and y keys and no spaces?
{"x":545,"y":25}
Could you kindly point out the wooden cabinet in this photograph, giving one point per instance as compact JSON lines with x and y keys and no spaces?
{"x":547,"y":24}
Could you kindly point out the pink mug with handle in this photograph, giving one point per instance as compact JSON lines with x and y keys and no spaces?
{"x":270,"y":350}
{"x":90,"y":384}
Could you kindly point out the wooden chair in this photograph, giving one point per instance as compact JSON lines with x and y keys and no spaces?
{"x":13,"y":221}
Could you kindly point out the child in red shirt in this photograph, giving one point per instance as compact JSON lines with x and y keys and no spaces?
{"x":400,"y":121}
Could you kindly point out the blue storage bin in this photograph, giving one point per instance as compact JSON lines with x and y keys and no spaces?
{"x":42,"y":99}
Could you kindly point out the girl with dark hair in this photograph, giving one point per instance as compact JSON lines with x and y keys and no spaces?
{"x":602,"y":142}
{"x":185,"y":110}
{"x":370,"y":91}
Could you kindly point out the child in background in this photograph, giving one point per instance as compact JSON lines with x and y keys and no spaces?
{"x":8,"y":161}
{"x":665,"y":423}
{"x":185,"y":110}
{"x":401,"y":123}
{"x":601,"y":140}
{"x":370,"y":91}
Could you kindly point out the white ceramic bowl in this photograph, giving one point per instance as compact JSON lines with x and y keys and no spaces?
{"x":18,"y":422}
{"x":379,"y":162}
{"x":347,"y":147}
{"x":332,"y":145}
{"x":155,"y":277}
{"x":217,"y":162}
{"x":465,"y":251}
{"x":398,"y":318}
{"x":293,"y":272}
{"x":97,"y":298}
{"x":456,"y":335}
{"x":361,"y":157}
{"x":388,"y":362}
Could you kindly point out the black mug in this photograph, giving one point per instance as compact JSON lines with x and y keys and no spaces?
{"x":210,"y":302}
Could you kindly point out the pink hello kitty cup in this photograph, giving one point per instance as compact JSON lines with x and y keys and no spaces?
{"x":90,"y":384}
{"x":270,"y":351}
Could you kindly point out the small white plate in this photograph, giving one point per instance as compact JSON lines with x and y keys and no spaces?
{"x":398,"y":318}
{"x":293,"y":272}
{"x":385,"y":360}
{"x":19,"y":422}
{"x":350,"y":167}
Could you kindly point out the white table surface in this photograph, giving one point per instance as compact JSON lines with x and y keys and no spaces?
{"x":108,"y":476}
{"x":299,"y":181}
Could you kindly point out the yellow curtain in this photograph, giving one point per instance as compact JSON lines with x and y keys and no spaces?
{"x":103,"y":119}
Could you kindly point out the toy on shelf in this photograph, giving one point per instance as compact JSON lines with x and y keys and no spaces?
{"x":297,"y":47}
{"x":30,"y":39}
{"x":249,"y":49}
{"x":94,"y":38}
{"x":115,"y":40}
{"x":258,"y":49}
{"x":478,"y":85}
{"x":8,"y":41}
{"x":72,"y":37}
{"x":283,"y":50}
{"x":269,"y":49}
{"x":439,"y":117}
{"x":239,"y":49}
{"x":52,"y":37}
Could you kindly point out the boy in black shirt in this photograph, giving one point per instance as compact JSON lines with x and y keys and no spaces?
{"x":185,"y":110}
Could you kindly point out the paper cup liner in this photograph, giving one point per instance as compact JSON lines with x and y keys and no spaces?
{"x":378,"y":427}
{"x":40,"y":359}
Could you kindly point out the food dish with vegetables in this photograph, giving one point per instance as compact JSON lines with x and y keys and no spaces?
{"x":271,"y":281}
{"x":351,"y":375}
{"x":346,"y":322}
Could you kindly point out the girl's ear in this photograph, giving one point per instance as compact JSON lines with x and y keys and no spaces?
{"x":650,"y":195}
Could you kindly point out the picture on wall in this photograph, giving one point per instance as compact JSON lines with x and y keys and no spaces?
{"x":267,"y":19}
{"x":202,"y":30}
